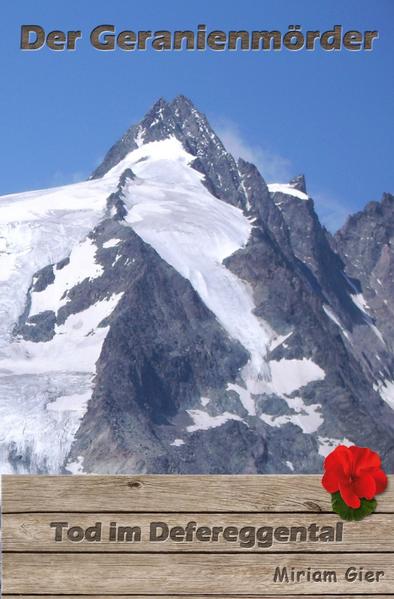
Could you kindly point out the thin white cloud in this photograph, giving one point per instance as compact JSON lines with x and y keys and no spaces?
{"x":273,"y":167}
{"x":60,"y":178}
{"x":279,"y":169}
{"x":332,"y":212}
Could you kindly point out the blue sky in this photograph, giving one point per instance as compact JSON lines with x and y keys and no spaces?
{"x":329,"y":115}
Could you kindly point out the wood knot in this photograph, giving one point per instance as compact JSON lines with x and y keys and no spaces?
{"x":311,"y":505}
{"x":134,"y":484}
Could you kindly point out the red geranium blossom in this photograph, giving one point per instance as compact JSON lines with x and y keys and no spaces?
{"x":355,"y":472}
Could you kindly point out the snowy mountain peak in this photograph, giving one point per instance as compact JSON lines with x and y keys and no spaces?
{"x":181,"y":120}
{"x":298,"y":183}
{"x":164,"y":119}
{"x":287,"y":190}
{"x":159,"y":105}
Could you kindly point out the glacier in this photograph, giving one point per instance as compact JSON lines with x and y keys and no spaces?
{"x":39,"y":228}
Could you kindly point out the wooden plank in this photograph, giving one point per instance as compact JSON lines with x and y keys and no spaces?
{"x":166,"y":574}
{"x":202,"y":596}
{"x":165,"y":493}
{"x":33,"y":532}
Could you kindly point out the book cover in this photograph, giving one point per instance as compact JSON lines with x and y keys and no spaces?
{"x":196,"y":236}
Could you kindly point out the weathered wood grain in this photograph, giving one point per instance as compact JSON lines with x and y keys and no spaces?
{"x":165,"y":493}
{"x":202,"y":596}
{"x":35,"y":565}
{"x":32,"y":532}
{"x":166,"y":574}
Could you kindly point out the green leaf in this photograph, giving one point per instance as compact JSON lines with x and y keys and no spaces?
{"x":367,"y":507}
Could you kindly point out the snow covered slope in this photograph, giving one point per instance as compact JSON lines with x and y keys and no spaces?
{"x":36,"y":229}
{"x":170,"y":209}
{"x":39,"y":228}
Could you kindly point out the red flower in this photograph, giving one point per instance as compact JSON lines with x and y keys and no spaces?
{"x":355,"y":472}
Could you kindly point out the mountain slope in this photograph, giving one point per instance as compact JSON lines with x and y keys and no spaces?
{"x":176,"y":314}
{"x":365,"y":244}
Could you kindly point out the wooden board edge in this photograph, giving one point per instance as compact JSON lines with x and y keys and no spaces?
{"x":213,"y":493}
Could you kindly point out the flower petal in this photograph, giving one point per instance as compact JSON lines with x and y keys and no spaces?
{"x":364,"y":459}
{"x":339,"y":458}
{"x":365,"y":486}
{"x":380,"y":480}
{"x":348,"y":495}
{"x":330,"y":481}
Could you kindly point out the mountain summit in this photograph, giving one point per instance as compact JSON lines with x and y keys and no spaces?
{"x":181,"y":120}
{"x":190,"y":318}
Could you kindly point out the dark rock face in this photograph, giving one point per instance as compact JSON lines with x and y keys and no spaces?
{"x":261,"y":206}
{"x":310,"y":245}
{"x":337,"y":287}
{"x":40,"y":327}
{"x":283,"y":295}
{"x":165,"y":351}
{"x":115,"y":203}
{"x":298,"y":183}
{"x":365,"y":244}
